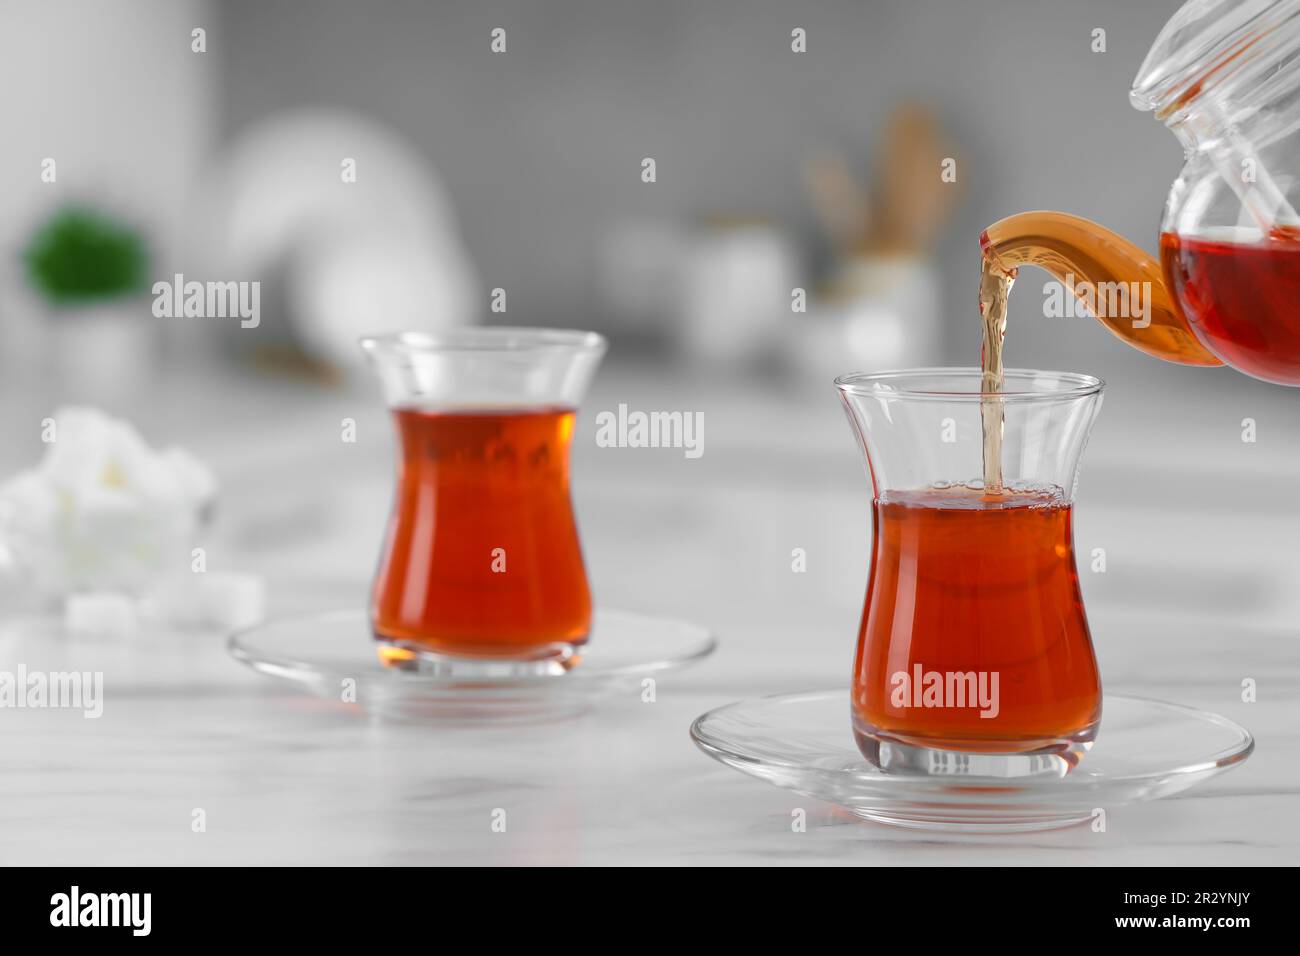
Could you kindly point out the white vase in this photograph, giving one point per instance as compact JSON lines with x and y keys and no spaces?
{"x":101,"y":354}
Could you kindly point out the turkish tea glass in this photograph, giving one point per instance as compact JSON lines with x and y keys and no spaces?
{"x":481,"y":571}
{"x":974,"y":656}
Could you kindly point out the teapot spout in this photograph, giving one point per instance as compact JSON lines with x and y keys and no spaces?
{"x":1119,"y":283}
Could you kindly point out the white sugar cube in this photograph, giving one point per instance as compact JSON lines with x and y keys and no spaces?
{"x":231,"y":601}
{"x":213,"y":599}
{"x":100,"y":614}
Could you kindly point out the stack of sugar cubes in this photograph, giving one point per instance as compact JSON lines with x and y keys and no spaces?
{"x":112,"y":528}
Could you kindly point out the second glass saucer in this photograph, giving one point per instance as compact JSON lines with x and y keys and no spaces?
{"x":335,"y":656}
{"x":1147,"y":749}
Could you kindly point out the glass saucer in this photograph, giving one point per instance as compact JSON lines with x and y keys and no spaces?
{"x":334,"y":655}
{"x":1146,"y":749}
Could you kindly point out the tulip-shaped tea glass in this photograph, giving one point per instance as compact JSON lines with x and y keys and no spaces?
{"x":481,"y":572}
{"x":974,"y":655}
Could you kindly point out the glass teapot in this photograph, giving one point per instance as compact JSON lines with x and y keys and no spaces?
{"x":1224,"y":76}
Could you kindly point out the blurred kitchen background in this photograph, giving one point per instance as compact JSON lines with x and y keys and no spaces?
{"x":522,"y":171}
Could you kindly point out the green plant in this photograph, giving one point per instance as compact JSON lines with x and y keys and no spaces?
{"x":80,"y":256}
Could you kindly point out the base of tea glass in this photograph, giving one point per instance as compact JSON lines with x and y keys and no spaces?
{"x":1147,"y":749}
{"x":1037,"y":758}
{"x":333,"y":652}
{"x":548,"y":660}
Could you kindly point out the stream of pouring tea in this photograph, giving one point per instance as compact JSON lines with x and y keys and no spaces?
{"x":995,"y":286}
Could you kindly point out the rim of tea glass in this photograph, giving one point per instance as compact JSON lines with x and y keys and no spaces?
{"x":1053,"y":386}
{"x":490,"y":338}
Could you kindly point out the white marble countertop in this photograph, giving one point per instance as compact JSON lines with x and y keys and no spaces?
{"x":1201,"y":592}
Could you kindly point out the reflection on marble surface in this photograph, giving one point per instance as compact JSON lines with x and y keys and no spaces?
{"x":1199,"y":594}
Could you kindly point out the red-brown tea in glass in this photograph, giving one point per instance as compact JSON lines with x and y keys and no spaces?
{"x":482,"y":555}
{"x":969,"y":583}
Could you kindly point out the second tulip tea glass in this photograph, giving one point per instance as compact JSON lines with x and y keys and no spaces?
{"x":974,"y":654}
{"x":481,"y":570}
